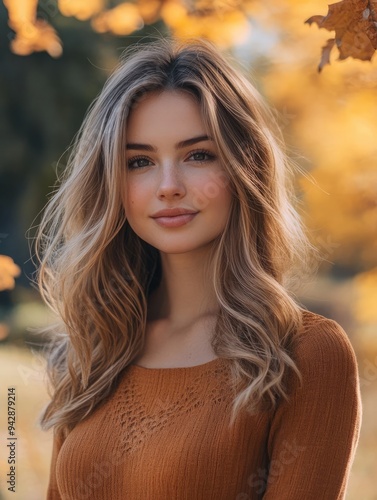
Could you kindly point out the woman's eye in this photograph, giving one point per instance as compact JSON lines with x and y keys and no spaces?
{"x":201,"y":155}
{"x":141,"y":161}
{"x":138,"y":160}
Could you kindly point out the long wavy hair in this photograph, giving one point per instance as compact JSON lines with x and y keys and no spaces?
{"x":96,"y":274}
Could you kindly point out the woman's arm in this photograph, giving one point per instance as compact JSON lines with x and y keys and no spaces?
{"x":313,"y":437}
{"x":52,"y":490}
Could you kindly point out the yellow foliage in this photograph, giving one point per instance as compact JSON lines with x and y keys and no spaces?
{"x":8,"y":271}
{"x":32,"y":34}
{"x":366,"y":305}
{"x":222,"y":22}
{"x":225,"y":22}
{"x":21,"y":12}
{"x":226,"y":29}
{"x":121,"y":20}
{"x":174,"y":13}
{"x":149,"y":10}
{"x":82,"y":9}
{"x":331,"y":116}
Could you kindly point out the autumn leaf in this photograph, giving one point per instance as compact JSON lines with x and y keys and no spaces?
{"x":8,"y":271}
{"x":31,"y":33}
{"x":120,"y":20}
{"x":355,"y":26}
{"x":81,"y":9}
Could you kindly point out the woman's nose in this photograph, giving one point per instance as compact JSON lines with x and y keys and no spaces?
{"x":170,"y":181}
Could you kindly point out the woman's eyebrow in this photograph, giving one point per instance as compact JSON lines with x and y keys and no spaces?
{"x":179,"y":145}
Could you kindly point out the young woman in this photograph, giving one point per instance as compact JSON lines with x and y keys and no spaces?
{"x":181,"y":365}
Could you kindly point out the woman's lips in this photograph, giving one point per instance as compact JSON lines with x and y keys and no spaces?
{"x":175,"y":221}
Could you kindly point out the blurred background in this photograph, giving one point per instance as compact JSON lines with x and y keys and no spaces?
{"x":54,"y":59}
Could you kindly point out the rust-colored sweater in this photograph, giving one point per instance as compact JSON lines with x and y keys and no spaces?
{"x":163,"y":434}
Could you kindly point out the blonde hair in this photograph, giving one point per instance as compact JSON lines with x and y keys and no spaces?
{"x":96,"y":274}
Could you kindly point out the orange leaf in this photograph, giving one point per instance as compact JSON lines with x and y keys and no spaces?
{"x":8,"y":271}
{"x":355,"y":26}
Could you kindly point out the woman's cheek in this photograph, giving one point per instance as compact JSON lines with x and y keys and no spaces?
{"x":210,"y":189}
{"x":138,"y":196}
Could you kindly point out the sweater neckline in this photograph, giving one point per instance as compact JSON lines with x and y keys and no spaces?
{"x":174,"y":369}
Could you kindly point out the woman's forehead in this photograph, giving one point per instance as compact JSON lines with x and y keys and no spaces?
{"x":166,"y":115}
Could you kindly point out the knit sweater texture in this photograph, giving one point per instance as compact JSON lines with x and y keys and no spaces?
{"x":163,"y":433}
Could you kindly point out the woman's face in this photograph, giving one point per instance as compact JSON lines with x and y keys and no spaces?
{"x":172,"y":164}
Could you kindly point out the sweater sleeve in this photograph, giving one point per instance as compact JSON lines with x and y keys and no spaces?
{"x":52,"y":489}
{"x":313,"y":437}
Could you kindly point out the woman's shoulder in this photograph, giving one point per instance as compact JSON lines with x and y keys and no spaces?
{"x":322,"y":343}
